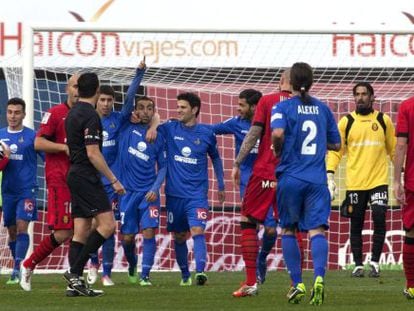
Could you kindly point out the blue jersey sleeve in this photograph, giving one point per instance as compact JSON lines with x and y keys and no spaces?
{"x":217,"y":163}
{"x":278,"y":119}
{"x":223,"y":128}
{"x":162,"y":168}
{"x":128,"y":105}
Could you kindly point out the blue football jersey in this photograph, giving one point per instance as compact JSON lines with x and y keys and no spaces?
{"x":139,"y":161}
{"x":20,"y":173}
{"x":187,"y":165}
{"x":308,"y":128}
{"x":112,"y":123}
{"x":239,"y":127}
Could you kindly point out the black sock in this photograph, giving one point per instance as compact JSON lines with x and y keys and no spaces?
{"x":74,"y":250}
{"x":95,"y":240}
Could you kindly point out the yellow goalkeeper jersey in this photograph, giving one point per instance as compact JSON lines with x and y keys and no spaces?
{"x":367,"y":143}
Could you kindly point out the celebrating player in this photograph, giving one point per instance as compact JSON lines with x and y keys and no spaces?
{"x":303,"y":129}
{"x":188,"y":144}
{"x":111,"y":123}
{"x":142,"y":167}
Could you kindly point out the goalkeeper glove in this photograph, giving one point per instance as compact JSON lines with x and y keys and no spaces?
{"x":331,"y":185}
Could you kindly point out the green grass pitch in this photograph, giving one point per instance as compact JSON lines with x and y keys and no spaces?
{"x":342,"y":293}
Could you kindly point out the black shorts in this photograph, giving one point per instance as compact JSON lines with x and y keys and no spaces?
{"x":88,"y":195}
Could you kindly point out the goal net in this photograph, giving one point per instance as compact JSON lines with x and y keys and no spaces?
{"x":218,"y":66}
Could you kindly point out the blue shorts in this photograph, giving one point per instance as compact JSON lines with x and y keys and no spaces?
{"x":302,"y":204}
{"x":114,"y":200}
{"x":137,"y":213}
{"x":270,"y":220}
{"x":185,"y":213}
{"x":22,"y":207}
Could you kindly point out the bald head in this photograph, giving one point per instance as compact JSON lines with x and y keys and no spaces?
{"x":284,"y":82}
{"x":72,"y":90}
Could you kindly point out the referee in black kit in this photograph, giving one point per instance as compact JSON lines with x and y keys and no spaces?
{"x":89,"y":199}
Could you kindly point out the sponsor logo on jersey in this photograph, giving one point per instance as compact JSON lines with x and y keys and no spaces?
{"x":268,"y":184}
{"x":14,"y":155}
{"x":46,"y":117}
{"x":153,"y":211}
{"x":142,"y":146}
{"x":186,"y":152}
{"x":109,"y":143}
{"x":202,"y":214}
{"x":28,"y":205}
{"x":137,"y":133}
{"x":138,"y":154}
{"x":105,"y":135}
{"x":178,"y":138}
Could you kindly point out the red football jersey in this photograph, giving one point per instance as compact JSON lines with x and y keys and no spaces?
{"x":266,"y":162}
{"x":52,"y":128}
{"x":405,"y":128}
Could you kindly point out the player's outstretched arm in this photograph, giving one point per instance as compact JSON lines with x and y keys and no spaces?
{"x":45,"y":145}
{"x":278,"y":138}
{"x":249,"y":142}
{"x":128,"y":105}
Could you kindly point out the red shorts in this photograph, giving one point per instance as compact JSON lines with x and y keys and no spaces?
{"x":408,"y":210}
{"x":58,"y":208}
{"x":260,"y":195}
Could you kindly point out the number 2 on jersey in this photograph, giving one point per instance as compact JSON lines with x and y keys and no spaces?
{"x":309,"y":148}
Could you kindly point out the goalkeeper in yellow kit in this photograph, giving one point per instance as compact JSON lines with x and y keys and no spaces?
{"x":367,"y":140}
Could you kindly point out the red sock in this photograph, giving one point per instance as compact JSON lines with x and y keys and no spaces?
{"x":44,"y":249}
{"x":408,"y":261}
{"x":250,"y":249}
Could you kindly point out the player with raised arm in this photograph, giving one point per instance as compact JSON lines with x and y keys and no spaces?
{"x":188,"y":144}
{"x":88,"y":197}
{"x":111,"y":123}
{"x":404,"y":187}
{"x":19,"y":184}
{"x":142,"y":167}
{"x":303,"y":129}
{"x":51,"y":139}
{"x":261,"y":188}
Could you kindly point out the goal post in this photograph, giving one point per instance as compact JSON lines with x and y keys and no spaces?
{"x":217,"y":65}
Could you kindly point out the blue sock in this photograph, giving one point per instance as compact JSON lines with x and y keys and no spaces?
{"x":181,"y":255}
{"x":291,"y":256}
{"x":319,"y":249}
{"x":12,"y":246}
{"x":94,"y":259}
{"x":268,"y":241}
{"x":108,"y":251}
{"x":22,"y":245}
{"x":200,"y":252}
{"x":131,"y":257}
{"x":148,"y":254}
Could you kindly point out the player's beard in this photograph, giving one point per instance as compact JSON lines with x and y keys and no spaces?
{"x":364,"y":110}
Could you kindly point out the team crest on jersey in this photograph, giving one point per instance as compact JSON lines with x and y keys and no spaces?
{"x":374,"y":127}
{"x":28,"y":205}
{"x":112,"y":125}
{"x":197,"y":141}
{"x":65,"y":219}
{"x":45,"y":118}
{"x":21,"y":139}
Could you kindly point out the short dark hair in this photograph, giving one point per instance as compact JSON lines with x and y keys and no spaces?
{"x":17,"y":101}
{"x":192,"y":99}
{"x":107,"y":90}
{"x":301,"y":78}
{"x":143,"y":97}
{"x":251,"y":96}
{"x":88,"y":84}
{"x":367,"y":85}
